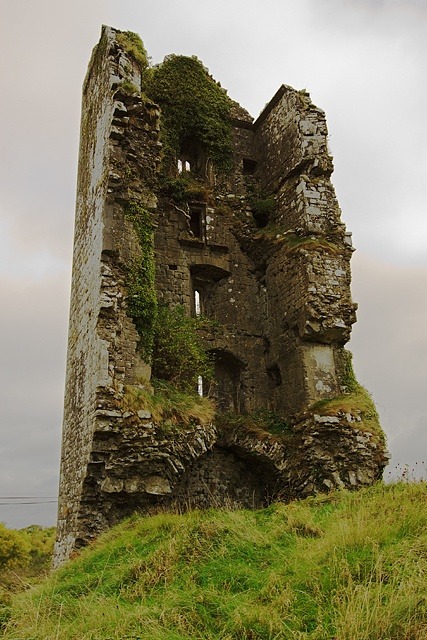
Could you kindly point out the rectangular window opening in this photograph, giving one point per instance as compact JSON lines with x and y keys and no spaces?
{"x":196,"y":221}
{"x":249,"y":166}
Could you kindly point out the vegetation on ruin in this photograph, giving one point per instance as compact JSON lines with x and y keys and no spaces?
{"x":179,"y":355}
{"x":25,"y":555}
{"x":294,"y":242}
{"x":142,"y":299}
{"x":356,"y":401}
{"x":184,"y":188}
{"x":262,"y":209}
{"x":349,"y":565}
{"x":262,"y":204}
{"x":262,"y":423}
{"x":179,"y":358}
{"x":169,"y":407}
{"x":194,"y":107}
{"x":133,"y":45}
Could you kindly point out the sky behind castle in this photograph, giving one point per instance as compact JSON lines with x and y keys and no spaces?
{"x":363,"y":61}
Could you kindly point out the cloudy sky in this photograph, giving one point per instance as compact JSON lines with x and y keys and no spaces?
{"x":363,"y":61}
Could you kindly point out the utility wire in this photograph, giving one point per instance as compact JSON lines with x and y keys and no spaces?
{"x":30,"y":502}
{"x":27,"y":497}
{"x":39,"y":502}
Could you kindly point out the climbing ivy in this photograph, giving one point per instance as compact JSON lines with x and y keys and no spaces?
{"x":142,"y":300}
{"x":194,"y":107}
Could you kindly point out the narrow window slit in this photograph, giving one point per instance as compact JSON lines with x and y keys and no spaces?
{"x":200,"y":386}
{"x":197,"y":307}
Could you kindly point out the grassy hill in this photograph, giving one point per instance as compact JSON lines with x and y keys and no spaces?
{"x":348,"y":566}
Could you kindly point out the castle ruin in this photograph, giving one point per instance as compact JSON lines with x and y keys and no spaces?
{"x":245,"y":234}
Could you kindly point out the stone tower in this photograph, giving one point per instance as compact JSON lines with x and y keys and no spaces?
{"x":258,"y":248}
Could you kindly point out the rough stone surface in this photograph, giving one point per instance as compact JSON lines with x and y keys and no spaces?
{"x":277,"y":286}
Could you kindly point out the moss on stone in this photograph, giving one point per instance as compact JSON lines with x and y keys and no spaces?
{"x":358,"y":402}
{"x":133,"y":45}
{"x":293,"y":242}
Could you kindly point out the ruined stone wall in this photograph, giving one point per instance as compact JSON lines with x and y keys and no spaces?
{"x":87,"y":361}
{"x":275,"y":288}
{"x":102,"y":348}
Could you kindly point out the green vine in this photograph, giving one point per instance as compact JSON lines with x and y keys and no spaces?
{"x":142,"y":300}
{"x":349,"y":377}
{"x":194,"y":107}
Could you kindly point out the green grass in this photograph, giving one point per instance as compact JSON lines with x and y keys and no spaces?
{"x":349,"y":565}
{"x":357,"y":401}
{"x":168,"y":405}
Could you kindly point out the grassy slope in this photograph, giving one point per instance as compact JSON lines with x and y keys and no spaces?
{"x":350,"y":566}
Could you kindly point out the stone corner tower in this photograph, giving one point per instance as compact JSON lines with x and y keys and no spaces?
{"x":260,"y":250}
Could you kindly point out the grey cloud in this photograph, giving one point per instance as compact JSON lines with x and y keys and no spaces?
{"x":390,"y":347}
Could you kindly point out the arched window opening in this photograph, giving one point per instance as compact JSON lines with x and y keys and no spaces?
{"x":228,"y":387}
{"x":193,"y":158}
{"x":179,"y":166}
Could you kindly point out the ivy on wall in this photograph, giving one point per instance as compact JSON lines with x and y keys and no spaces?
{"x":194,"y":107}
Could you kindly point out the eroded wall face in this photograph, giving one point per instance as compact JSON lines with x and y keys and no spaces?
{"x":87,"y":363}
{"x":102,"y":347}
{"x":274,"y":285}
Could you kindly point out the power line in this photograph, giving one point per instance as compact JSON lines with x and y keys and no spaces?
{"x":28,"y":502}
{"x":27,"y":497}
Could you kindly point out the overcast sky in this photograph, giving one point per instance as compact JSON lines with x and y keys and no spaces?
{"x":363,"y":61}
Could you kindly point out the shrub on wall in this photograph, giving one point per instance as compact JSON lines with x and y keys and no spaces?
{"x":178,"y":354}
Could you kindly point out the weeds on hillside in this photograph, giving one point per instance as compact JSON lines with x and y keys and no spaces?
{"x":347,"y":565}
